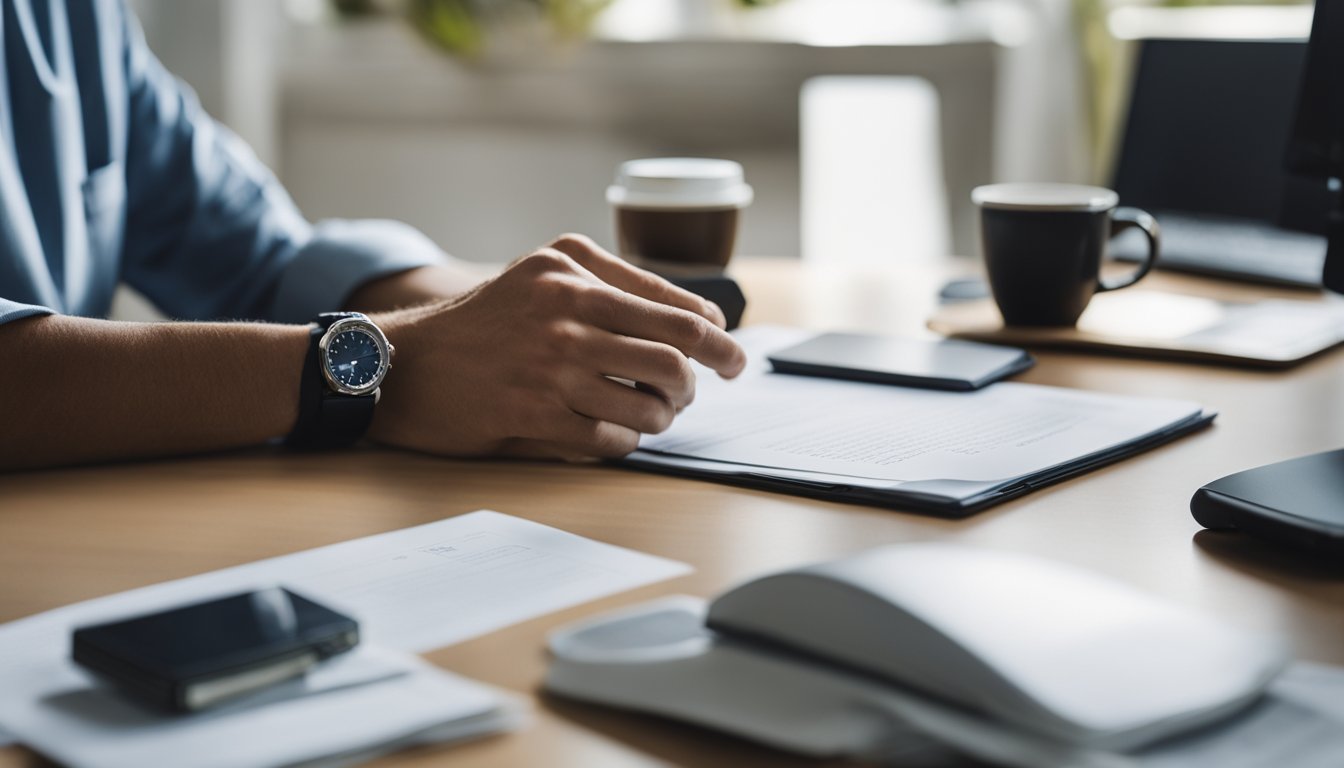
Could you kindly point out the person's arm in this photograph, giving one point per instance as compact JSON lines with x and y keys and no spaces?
{"x":80,"y":390}
{"x":413,"y":287}
{"x":211,"y":234}
{"x":522,"y":365}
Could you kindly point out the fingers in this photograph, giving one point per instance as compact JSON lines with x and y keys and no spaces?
{"x":573,"y":433}
{"x":579,"y":330}
{"x":574,"y":436}
{"x":656,"y":367}
{"x":606,"y":400}
{"x":617,"y":272}
{"x":641,"y":318}
{"x":608,"y":307}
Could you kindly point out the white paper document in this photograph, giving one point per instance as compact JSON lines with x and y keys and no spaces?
{"x":442,"y":583}
{"x":413,"y":590}
{"x":887,"y":433}
{"x":366,"y":703}
{"x":1299,"y":724}
{"x":953,"y":444}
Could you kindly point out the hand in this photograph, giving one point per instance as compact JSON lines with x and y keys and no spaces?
{"x":523,"y":365}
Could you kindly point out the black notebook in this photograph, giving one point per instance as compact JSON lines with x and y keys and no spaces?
{"x":932,"y":364}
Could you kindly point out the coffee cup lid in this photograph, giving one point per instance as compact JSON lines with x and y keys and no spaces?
{"x":680,"y":182}
{"x":1045,"y":197}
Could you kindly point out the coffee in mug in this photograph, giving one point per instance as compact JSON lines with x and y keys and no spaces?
{"x":678,"y":214}
{"x":1044,"y":245}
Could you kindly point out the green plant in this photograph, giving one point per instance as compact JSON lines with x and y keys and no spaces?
{"x":462,"y":26}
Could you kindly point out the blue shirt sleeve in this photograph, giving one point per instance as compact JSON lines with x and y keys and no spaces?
{"x":211,"y":234}
{"x":14,"y":310}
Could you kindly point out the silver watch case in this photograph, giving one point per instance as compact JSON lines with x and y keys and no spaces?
{"x":385,"y":350}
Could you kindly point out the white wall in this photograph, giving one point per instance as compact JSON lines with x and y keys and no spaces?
{"x":493,"y":184}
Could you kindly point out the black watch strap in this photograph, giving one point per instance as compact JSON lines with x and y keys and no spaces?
{"x":327,"y":419}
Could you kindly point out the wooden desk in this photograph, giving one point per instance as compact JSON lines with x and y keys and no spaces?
{"x":75,"y":534}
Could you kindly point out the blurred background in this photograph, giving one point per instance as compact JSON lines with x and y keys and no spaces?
{"x":493,"y":125}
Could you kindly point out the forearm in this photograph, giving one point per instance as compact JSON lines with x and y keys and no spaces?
{"x":417,"y":286}
{"x":79,"y":390}
{"x":521,"y":365}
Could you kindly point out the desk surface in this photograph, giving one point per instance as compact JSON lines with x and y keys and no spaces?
{"x":70,"y":535}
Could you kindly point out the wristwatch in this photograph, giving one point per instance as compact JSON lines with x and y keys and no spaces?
{"x":348,"y":357}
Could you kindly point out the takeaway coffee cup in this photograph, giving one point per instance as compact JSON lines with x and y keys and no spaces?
{"x":678,"y":213}
{"x":1044,"y":245}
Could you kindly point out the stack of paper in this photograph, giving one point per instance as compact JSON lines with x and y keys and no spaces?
{"x":948,"y":452}
{"x":411,"y":590}
{"x":345,"y":709}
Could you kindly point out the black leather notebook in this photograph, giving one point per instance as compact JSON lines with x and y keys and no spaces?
{"x":195,"y":656}
{"x":934,"y":364}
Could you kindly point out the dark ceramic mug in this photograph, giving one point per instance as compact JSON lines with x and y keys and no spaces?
{"x":1044,"y":245}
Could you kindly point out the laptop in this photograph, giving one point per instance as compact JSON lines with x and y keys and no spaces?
{"x":1203,"y":151}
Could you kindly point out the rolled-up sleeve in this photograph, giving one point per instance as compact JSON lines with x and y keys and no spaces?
{"x":13,"y":310}
{"x":211,"y":234}
{"x":342,"y":255}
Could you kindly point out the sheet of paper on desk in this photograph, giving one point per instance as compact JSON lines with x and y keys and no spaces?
{"x":412,"y":589}
{"x":366,"y":703}
{"x":896,"y":434}
{"x":820,"y":429}
{"x":1299,"y":724}
{"x":441,"y":583}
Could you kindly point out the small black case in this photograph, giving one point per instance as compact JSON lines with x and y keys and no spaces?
{"x":719,"y":289}
{"x":190,"y":658}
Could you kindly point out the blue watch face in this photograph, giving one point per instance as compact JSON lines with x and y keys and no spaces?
{"x":354,"y":359}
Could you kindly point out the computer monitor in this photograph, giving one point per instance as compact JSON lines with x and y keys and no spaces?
{"x":1207,"y":123}
{"x":1203,"y":151}
{"x":1316,"y":144}
{"x":1301,"y":501}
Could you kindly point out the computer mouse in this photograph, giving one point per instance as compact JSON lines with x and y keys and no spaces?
{"x":1048,"y":647}
{"x":658,"y":657}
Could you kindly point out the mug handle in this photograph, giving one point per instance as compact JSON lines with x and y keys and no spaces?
{"x":1126,"y":218}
